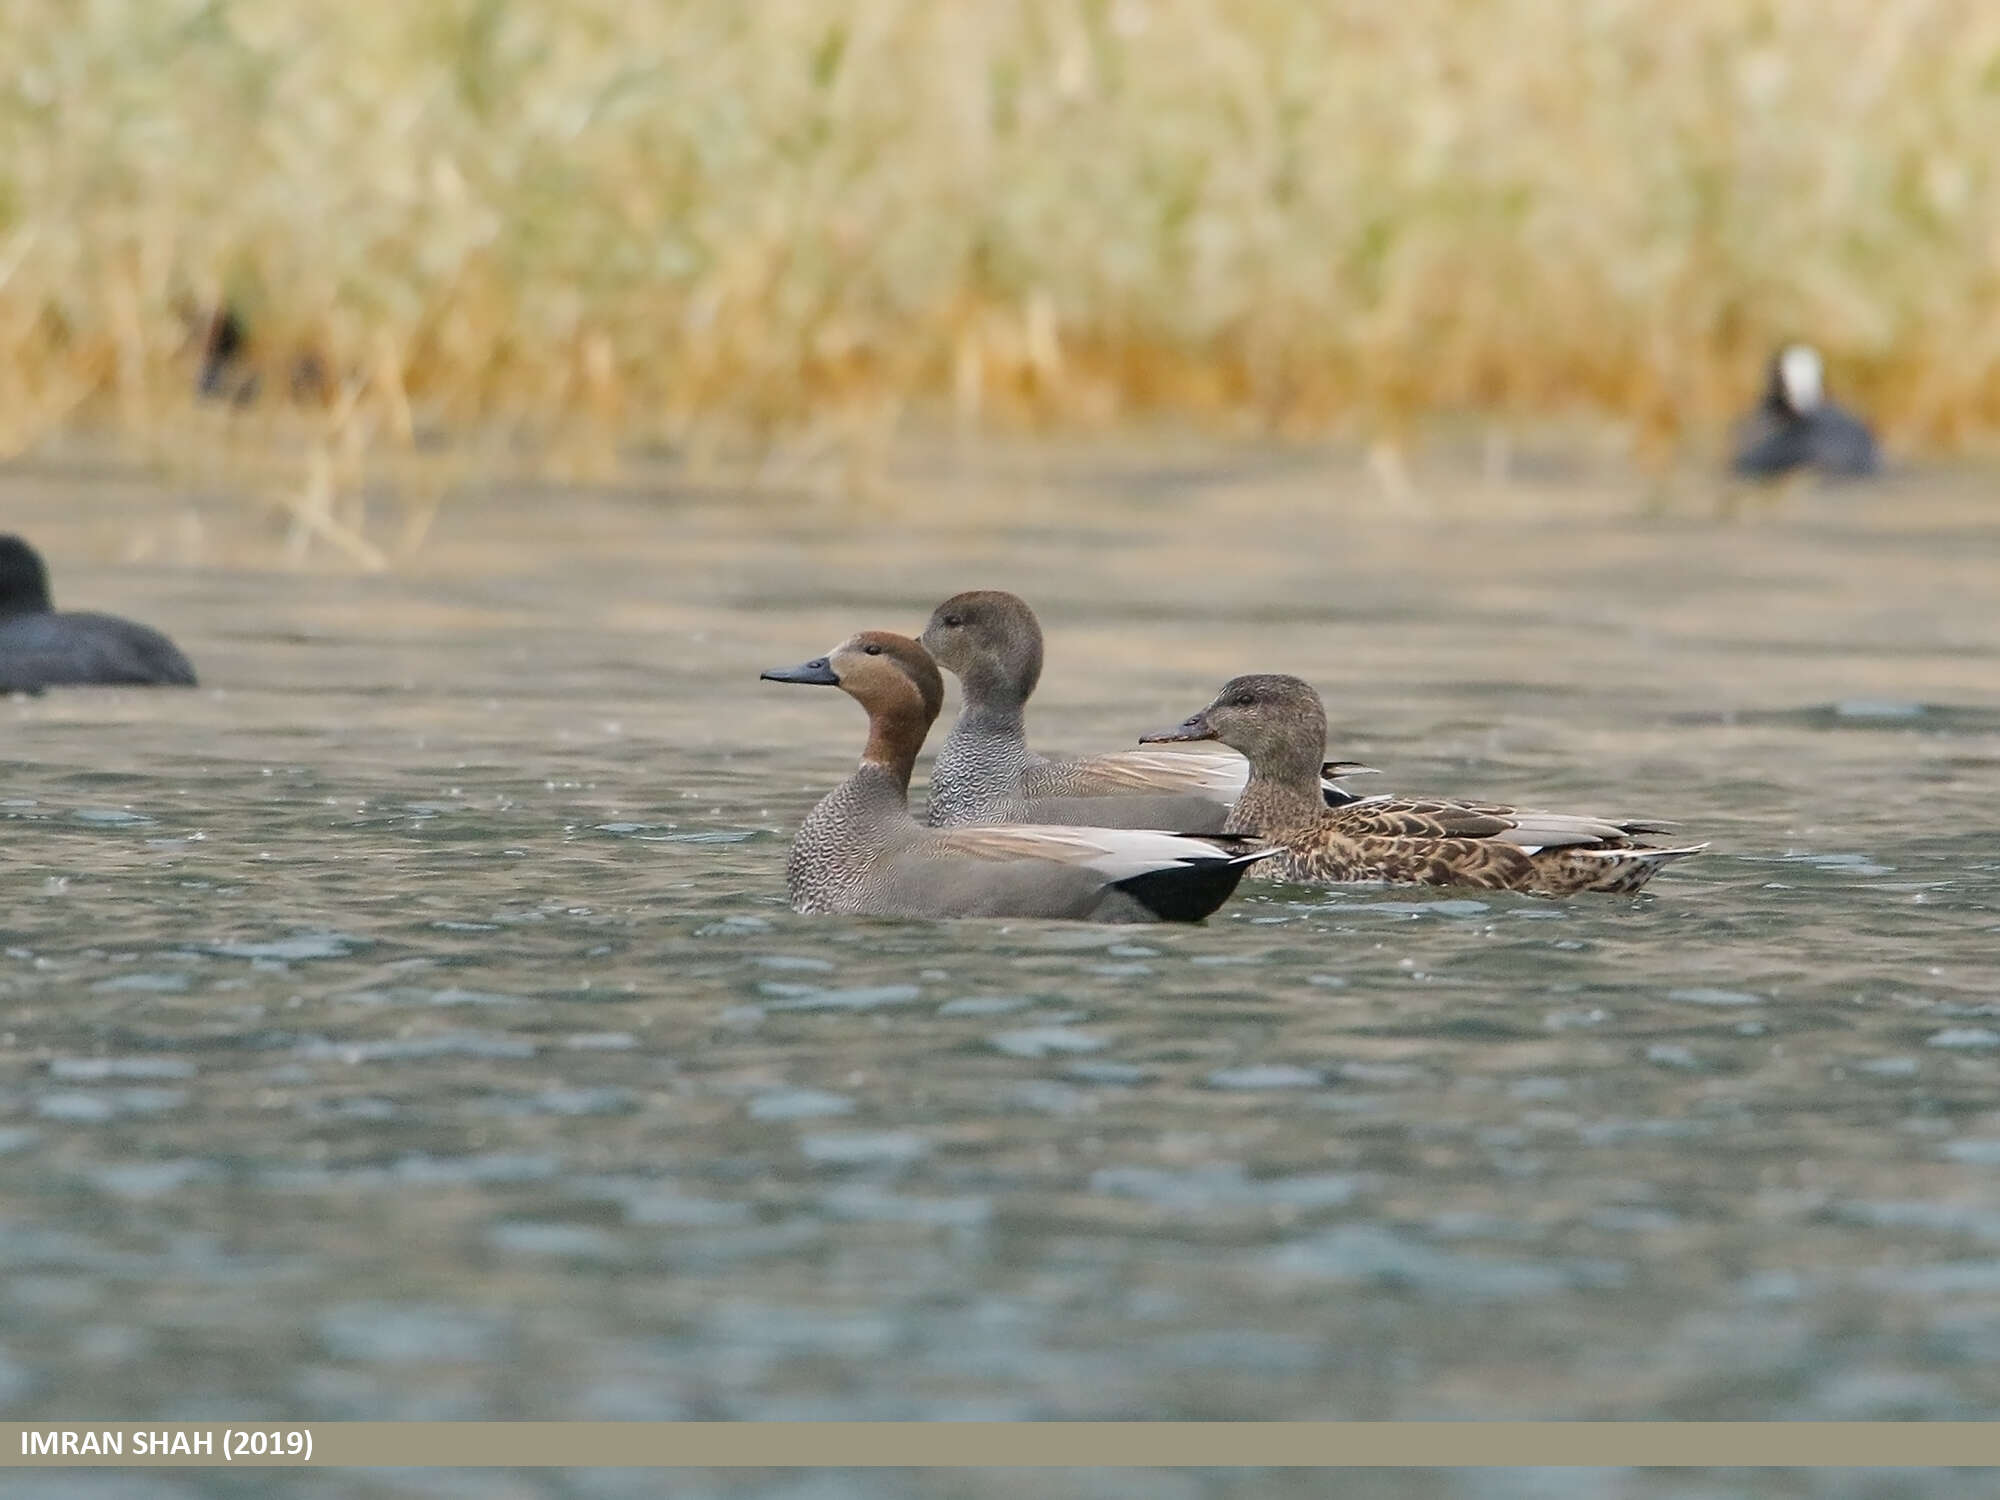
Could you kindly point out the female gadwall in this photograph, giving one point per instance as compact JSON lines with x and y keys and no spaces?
{"x":861,"y":853}
{"x":1796,"y":427}
{"x":1279,"y":723}
{"x":40,"y":647}
{"x":987,"y":774}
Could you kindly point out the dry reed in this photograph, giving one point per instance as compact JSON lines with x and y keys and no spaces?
{"x":599,"y":223}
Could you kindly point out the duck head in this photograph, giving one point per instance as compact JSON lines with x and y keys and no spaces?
{"x":24,"y":582}
{"x":890,"y":676}
{"x":1276,"y":722}
{"x":1798,"y":380}
{"x":989,"y":640}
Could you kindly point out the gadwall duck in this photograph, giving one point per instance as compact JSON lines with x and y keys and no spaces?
{"x":40,"y":647}
{"x":992,"y":642}
{"x":1796,"y":427}
{"x":1279,"y":723}
{"x":861,"y":853}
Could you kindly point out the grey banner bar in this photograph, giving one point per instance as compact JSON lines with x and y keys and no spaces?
{"x":998,"y":1444}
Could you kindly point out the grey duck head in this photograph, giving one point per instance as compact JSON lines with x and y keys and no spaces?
{"x":991,"y":641}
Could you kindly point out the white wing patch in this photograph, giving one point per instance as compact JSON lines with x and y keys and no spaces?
{"x":1546,"y":830}
{"x":1113,"y":853}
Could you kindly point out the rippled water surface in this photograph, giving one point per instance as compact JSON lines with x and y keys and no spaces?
{"x":409,"y":1022}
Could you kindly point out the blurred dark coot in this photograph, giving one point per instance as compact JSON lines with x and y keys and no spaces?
{"x":1796,"y":427}
{"x":40,"y":647}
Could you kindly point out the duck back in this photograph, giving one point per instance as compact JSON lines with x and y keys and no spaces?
{"x":75,"y":649}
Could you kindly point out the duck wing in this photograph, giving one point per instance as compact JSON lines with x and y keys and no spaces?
{"x":1446,"y":818}
{"x":1113,"y":853}
{"x":1769,"y":444}
{"x":1194,"y":770}
{"x":1132,"y":772}
{"x":1041,"y":870}
{"x":81,"y":648}
{"x":1842,"y":445}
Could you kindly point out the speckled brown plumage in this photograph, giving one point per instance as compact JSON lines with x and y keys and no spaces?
{"x":1280,"y":726}
{"x":1326,"y":850}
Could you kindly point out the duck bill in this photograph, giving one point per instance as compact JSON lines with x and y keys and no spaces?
{"x":1185,"y":732}
{"x":815,"y":673}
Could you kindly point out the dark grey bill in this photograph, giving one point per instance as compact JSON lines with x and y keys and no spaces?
{"x":815,"y":673}
{"x":1195,"y":728}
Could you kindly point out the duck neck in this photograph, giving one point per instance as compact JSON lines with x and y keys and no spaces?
{"x":1283,"y":792}
{"x":1778,"y":402}
{"x":992,"y":695}
{"x":24,"y":595}
{"x":990,"y":719}
{"x":895,"y":734}
{"x":978,"y":767}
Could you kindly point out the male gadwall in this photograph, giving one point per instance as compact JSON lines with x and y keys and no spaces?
{"x":986,"y":773}
{"x":40,"y":647}
{"x":861,"y":853}
{"x":1795,"y":426}
{"x":1279,"y":723}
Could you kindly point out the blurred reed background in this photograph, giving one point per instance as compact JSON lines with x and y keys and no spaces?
{"x":593,"y":226}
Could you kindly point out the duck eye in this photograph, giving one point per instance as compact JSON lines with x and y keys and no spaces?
{"x":871,"y":649}
{"x":1244,"y":700}
{"x":952,"y":622}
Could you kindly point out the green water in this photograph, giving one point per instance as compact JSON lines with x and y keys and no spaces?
{"x":409,"y":1023}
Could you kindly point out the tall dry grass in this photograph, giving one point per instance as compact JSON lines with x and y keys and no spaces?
{"x":598,"y":222}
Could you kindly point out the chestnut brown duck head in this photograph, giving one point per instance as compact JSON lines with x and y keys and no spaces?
{"x":860,"y":853}
{"x":890,"y":676}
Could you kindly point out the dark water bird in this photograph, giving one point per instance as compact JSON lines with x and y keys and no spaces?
{"x":985,"y":772}
{"x":41,"y":647}
{"x":232,"y":363}
{"x":861,"y":853}
{"x":1795,"y":426}
{"x":1279,"y":723}
{"x":224,"y":352}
